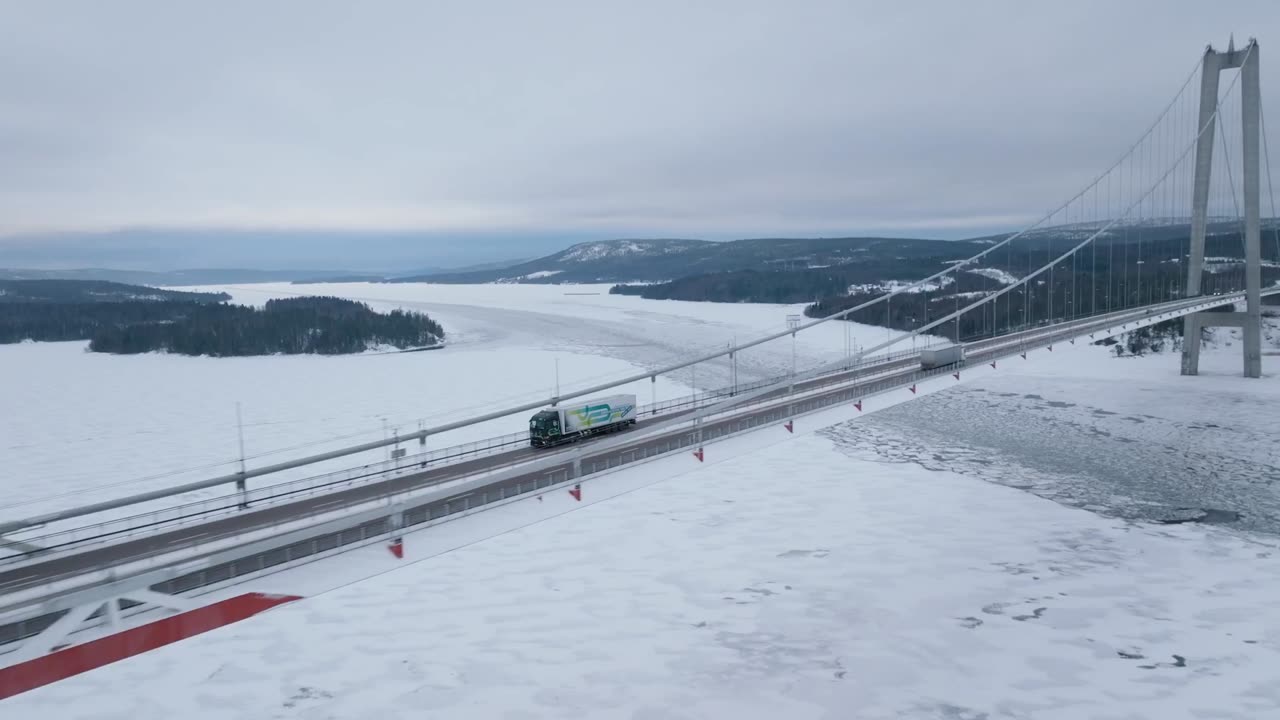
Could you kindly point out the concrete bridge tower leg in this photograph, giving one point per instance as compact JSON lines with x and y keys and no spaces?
{"x":1251,"y":319}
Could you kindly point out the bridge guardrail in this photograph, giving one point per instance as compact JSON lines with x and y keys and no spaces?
{"x":168,"y":518}
{"x":682,"y":438}
{"x":685,"y":437}
{"x":715,"y":427}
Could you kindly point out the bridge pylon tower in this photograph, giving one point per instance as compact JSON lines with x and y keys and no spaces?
{"x":1250,"y":321}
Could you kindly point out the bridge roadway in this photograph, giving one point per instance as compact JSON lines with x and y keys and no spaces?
{"x":198,"y":533}
{"x":901,"y":372}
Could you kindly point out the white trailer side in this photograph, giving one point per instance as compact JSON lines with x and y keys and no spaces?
{"x":931,"y":358}
{"x":597,"y":412}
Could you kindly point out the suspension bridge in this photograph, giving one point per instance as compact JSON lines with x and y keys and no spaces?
{"x":1171,"y":232}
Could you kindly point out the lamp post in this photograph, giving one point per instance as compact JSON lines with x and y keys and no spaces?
{"x":241,"y":485}
{"x":793,"y":322}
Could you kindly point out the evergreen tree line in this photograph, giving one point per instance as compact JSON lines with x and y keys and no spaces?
{"x":1112,"y":278}
{"x":94,"y":291}
{"x":754,"y":286}
{"x":1138,"y":273}
{"x":58,"y":321}
{"x":786,"y":285}
{"x":1040,"y":302}
{"x":319,"y":325}
{"x":53,"y":310}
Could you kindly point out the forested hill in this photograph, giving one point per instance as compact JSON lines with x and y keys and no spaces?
{"x":841,"y":285}
{"x":94,"y":291}
{"x":662,"y":260}
{"x":118,"y":318}
{"x":802,"y":283}
{"x":320,"y":325}
{"x":60,"y":310}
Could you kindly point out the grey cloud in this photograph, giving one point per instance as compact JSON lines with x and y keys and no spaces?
{"x":712,"y":119}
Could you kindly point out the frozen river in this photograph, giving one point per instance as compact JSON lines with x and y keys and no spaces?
{"x":1128,"y":445}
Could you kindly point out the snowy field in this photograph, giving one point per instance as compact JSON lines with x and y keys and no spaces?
{"x":1098,"y":433}
{"x":801,"y":576}
{"x":83,"y":427}
{"x":586,"y":318}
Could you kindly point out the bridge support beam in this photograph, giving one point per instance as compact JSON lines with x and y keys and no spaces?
{"x":1250,"y":321}
{"x":18,"y":545}
{"x":56,"y":634}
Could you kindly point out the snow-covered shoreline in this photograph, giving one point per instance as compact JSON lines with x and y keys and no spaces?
{"x":784,"y":579}
{"x":805,"y":575}
{"x":86,"y":427}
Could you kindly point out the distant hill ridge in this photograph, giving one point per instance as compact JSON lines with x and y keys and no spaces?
{"x":660,"y":260}
{"x":94,"y":291}
{"x":657,"y":260}
{"x":127,"y":319}
{"x":178,"y":278}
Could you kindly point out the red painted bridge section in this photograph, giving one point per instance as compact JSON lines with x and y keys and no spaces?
{"x":94,"y":654}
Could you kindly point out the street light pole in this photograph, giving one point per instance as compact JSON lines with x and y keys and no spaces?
{"x":793,"y":322}
{"x":733,"y":367}
{"x":241,"y":485}
{"x":240,"y":433}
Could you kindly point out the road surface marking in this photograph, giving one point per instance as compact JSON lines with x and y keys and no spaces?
{"x":17,"y":580}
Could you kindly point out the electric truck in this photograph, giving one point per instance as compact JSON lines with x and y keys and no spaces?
{"x":572,"y":422}
{"x":933,"y":358}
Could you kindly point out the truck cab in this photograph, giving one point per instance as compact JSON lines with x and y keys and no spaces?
{"x":544,"y":428}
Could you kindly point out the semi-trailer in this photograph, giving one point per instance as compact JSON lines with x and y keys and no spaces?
{"x":569,"y":423}
{"x":933,"y":358}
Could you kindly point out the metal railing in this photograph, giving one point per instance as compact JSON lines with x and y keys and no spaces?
{"x":503,"y":489}
{"x":427,"y":509}
{"x":205,"y":510}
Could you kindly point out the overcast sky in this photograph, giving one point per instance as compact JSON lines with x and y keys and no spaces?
{"x":593,"y":118}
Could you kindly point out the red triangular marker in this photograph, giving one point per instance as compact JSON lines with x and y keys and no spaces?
{"x":790,"y":426}
{"x":698,"y":454}
{"x":913,"y":389}
{"x":956,"y":374}
{"x":397,"y":548}
{"x":858,"y":405}
{"x":576,"y":492}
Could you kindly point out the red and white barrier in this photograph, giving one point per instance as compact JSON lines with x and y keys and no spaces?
{"x":94,"y":654}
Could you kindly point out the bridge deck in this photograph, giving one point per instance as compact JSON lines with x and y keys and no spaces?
{"x":896,"y":373}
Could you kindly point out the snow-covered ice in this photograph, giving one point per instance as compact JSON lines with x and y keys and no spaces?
{"x":90,"y":427}
{"x":790,"y":576}
{"x":587,"y":319}
{"x":85,"y":427}
{"x":1125,"y":436}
